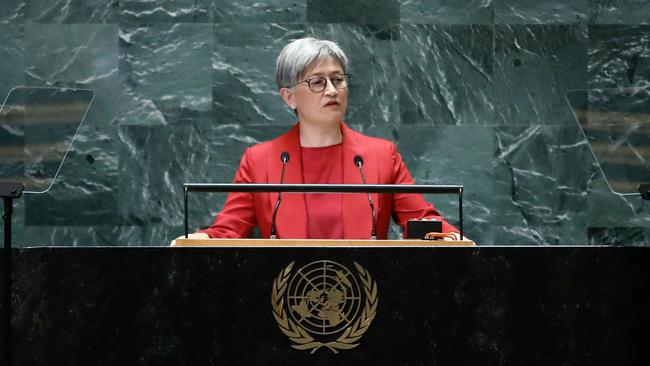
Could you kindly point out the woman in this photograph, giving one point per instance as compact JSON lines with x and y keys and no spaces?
{"x":313,"y":81}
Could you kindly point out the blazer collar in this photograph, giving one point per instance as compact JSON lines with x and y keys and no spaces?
{"x":291,"y":221}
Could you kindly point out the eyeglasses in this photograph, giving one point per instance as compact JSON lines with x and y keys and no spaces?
{"x":319,"y":83}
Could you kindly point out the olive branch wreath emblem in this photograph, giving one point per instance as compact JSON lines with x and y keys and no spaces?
{"x":302,"y":339}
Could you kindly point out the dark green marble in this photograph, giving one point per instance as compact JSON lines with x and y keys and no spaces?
{"x":615,"y":122}
{"x":359,"y":12}
{"x":69,"y":53}
{"x":12,"y":12}
{"x":446,"y":75}
{"x":12,"y":59}
{"x":244,"y":90}
{"x":372,"y":100}
{"x":253,"y":11}
{"x":606,"y":209}
{"x":428,"y":152}
{"x":540,"y":12}
{"x":543,"y":176}
{"x":619,"y":56}
{"x":619,"y":12}
{"x":80,"y":56}
{"x":151,"y":197}
{"x":165,"y":72}
{"x":73,"y":11}
{"x":474,"y":92}
{"x":164,"y":11}
{"x":446,"y":12}
{"x":614,"y":235}
{"x":535,"y":66}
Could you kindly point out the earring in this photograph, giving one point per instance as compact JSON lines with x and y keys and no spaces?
{"x":293,"y":107}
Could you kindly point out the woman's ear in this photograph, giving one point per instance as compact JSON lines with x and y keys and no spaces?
{"x":287,"y":96}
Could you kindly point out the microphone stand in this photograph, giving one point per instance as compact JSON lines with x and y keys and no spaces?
{"x":8,"y":191}
{"x":358,"y":161}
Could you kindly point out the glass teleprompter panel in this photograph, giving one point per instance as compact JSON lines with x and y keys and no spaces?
{"x":37,"y":127}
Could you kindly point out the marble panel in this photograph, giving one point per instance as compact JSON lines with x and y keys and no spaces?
{"x":535,"y":66}
{"x":415,"y":64}
{"x":446,"y":75}
{"x":12,"y":12}
{"x":72,"y":11}
{"x":164,"y":11}
{"x":165,"y":71}
{"x":514,"y":233}
{"x":637,"y":236}
{"x":83,"y":56}
{"x":540,"y":12}
{"x":455,"y":155}
{"x":244,"y":90}
{"x":619,"y":56}
{"x":128,"y":232}
{"x":12,"y":59}
{"x":72,"y":235}
{"x":165,"y":157}
{"x":542,"y":179}
{"x":446,"y":12}
{"x":619,"y":12}
{"x":607,"y":209}
{"x":616,"y":122}
{"x":373,"y":101}
{"x":70,"y":54}
{"x":253,"y":11}
{"x":359,"y":11}
{"x":84,"y":192}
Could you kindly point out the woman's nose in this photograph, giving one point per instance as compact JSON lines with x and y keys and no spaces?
{"x":329,"y":88}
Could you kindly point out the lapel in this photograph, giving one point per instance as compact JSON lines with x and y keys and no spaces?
{"x":291,"y":221}
{"x":357,"y":216}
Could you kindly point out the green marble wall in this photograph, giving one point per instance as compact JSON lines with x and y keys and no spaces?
{"x":473,"y":92}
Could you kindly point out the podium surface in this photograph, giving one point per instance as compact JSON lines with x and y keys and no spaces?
{"x":434,"y":305}
{"x":311,"y":243}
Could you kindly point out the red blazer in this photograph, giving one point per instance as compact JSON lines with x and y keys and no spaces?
{"x":261,"y":164}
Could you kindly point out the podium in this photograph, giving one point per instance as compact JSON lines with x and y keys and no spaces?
{"x":418,"y":305}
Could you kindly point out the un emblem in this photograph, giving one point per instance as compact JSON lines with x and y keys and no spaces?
{"x":323,"y":305}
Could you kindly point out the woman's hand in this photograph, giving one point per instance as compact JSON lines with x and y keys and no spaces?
{"x":190,"y":236}
{"x":456,"y":236}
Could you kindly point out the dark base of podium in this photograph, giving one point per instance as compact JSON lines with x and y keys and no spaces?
{"x":436,"y":306}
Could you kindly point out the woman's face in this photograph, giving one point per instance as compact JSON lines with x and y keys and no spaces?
{"x":324,"y":107}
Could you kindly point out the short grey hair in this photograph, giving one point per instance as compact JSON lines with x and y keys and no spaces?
{"x":296,"y":57}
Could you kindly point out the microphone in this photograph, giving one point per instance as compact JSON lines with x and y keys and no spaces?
{"x":358,"y":161}
{"x":284,"y":157}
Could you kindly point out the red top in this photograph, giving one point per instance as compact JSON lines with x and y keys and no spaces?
{"x":323,"y":165}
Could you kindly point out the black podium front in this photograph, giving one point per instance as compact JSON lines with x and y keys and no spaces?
{"x":434,"y":306}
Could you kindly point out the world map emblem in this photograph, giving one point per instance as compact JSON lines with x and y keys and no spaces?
{"x":324,"y":304}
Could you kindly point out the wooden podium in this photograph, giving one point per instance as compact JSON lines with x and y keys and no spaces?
{"x":283,"y":243}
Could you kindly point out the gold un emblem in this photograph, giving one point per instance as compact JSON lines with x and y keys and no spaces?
{"x":322,"y":305}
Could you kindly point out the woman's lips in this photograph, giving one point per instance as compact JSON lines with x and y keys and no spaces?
{"x":331,"y":103}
